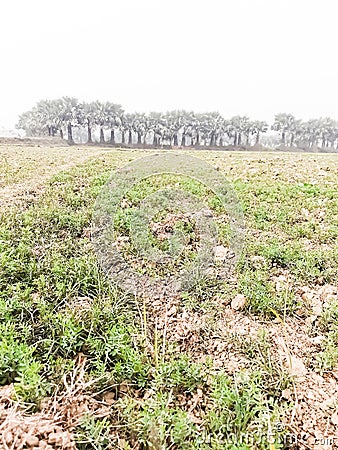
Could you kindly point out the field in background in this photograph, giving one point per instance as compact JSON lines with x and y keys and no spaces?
{"x":245,"y":358}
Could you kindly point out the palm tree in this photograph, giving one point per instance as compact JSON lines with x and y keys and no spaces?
{"x":89,"y":115}
{"x":113,"y":115}
{"x":257,"y":128}
{"x":238,"y":126}
{"x":310,"y":133}
{"x":138,"y":125}
{"x":29,"y":122}
{"x":327,"y":130}
{"x":249,"y":130}
{"x":101,"y":117}
{"x":172,"y":123}
{"x":45,"y":116}
{"x":197,"y":123}
{"x":157,"y":124}
{"x":43,"y":119}
{"x":295,"y":130}
{"x":185,"y":122}
{"x":48,"y":117}
{"x":125,"y":124}
{"x":212,"y":123}
{"x":284,"y":123}
{"x":69,"y":114}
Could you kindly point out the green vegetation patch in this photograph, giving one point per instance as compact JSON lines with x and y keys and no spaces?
{"x":56,"y":304}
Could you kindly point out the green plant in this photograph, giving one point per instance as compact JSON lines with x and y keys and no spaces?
{"x":93,"y":433}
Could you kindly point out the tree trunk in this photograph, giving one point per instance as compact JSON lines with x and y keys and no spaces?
{"x":197,"y":139}
{"x":139,"y":138}
{"x":112,"y":136}
{"x":130,"y":138}
{"x":70,"y":133}
{"x":257,"y":138}
{"x":175,"y":140}
{"x":283,"y":137}
{"x":248,"y":139}
{"x":123,"y":138}
{"x":183,"y":140}
{"x":61,"y":133}
{"x":101,"y":136}
{"x":49,"y":131}
{"x":89,"y":131}
{"x":239,"y":140}
{"x":235,"y":139}
{"x":154,"y":140}
{"x":292,"y":139}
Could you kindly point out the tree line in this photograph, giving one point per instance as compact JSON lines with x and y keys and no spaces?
{"x":172,"y":128}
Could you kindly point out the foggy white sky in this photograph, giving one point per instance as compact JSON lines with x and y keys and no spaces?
{"x":254,"y":57}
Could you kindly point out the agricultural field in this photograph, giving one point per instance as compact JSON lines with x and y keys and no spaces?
{"x":241,"y":359}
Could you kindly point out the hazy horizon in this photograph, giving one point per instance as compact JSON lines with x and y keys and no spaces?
{"x":251,"y":57}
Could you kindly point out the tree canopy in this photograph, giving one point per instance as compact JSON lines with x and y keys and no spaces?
{"x":173,"y":128}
